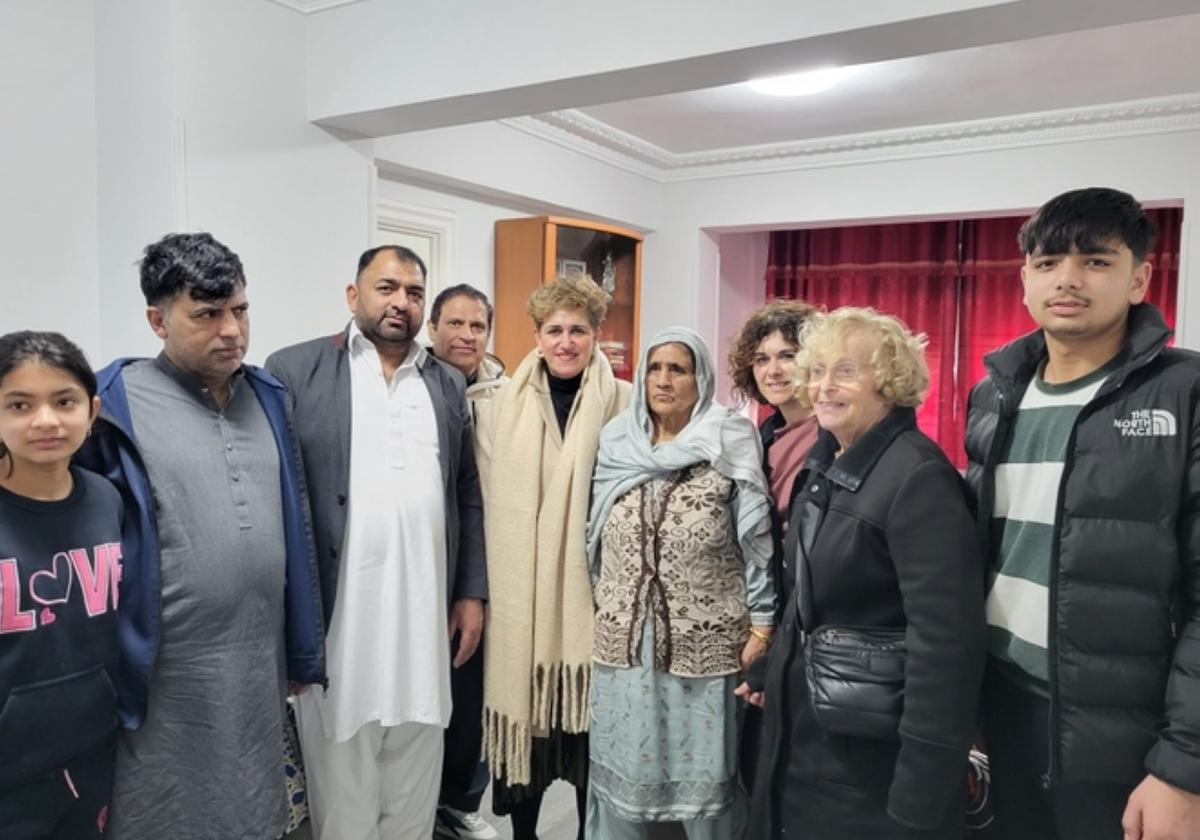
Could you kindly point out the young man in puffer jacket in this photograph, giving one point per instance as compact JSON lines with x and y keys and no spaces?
{"x":1084,"y":443}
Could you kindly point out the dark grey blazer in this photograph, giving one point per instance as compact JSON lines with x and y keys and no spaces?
{"x":317,"y":376}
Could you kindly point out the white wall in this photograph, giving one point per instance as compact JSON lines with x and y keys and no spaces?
{"x":743,"y":263}
{"x":1153,"y":168}
{"x":139,"y":190}
{"x":204,"y":127}
{"x":292,"y":199}
{"x":48,"y":215}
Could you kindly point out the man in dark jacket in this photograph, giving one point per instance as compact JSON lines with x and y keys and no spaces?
{"x":220,"y":602}
{"x":385,"y":432}
{"x":1084,"y":443}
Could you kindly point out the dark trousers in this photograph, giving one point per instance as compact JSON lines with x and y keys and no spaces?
{"x":563,"y":756}
{"x":750,"y":730}
{"x":66,"y":804}
{"x":1017,"y":733}
{"x":464,"y":775}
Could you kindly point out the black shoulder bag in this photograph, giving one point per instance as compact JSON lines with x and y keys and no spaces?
{"x":855,"y":675}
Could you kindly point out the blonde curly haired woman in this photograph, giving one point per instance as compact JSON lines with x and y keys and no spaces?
{"x":884,"y":546}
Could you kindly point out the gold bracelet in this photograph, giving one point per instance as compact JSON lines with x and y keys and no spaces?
{"x":762,"y":636}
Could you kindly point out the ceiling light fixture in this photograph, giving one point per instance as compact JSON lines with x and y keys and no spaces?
{"x":799,"y":84}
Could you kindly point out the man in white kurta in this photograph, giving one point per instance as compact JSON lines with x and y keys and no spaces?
{"x":373,"y":741}
{"x":386,"y":438}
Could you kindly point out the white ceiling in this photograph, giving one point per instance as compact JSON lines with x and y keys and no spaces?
{"x":1136,"y":61}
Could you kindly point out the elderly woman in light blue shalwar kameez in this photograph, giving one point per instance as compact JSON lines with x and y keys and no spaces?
{"x":679,"y":540}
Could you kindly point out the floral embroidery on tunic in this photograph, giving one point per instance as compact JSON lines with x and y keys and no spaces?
{"x":669,"y":554}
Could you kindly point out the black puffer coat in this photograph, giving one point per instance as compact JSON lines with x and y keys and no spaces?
{"x":1124,"y":640}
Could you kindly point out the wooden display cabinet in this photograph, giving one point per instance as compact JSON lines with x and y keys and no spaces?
{"x":530,"y":252}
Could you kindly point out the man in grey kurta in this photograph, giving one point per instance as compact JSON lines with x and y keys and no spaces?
{"x":223,"y":600}
{"x":217,"y":501}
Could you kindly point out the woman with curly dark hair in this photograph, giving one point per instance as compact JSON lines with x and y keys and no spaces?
{"x":762,"y":365}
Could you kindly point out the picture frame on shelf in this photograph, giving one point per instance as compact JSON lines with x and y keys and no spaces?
{"x":572,"y":268}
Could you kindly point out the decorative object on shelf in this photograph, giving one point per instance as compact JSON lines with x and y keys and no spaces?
{"x":615,"y":350}
{"x":608,"y":280}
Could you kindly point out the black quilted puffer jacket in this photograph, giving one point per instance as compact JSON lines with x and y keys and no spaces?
{"x":1124,"y":631}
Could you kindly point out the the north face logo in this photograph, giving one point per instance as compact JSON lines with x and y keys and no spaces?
{"x":1147,"y":422}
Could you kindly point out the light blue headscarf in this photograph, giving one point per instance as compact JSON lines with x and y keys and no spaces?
{"x":715,"y":435}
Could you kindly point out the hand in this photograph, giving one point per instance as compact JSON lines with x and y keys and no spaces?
{"x":754,"y":698}
{"x":755,"y":647}
{"x":295,"y":689}
{"x":466,"y":619}
{"x":1160,"y":811}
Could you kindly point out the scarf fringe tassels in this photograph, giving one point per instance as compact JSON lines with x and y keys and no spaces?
{"x":561,"y":697}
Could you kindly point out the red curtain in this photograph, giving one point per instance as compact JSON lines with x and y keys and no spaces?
{"x":992,"y":310}
{"x":906,"y":270}
{"x":1164,"y":282}
{"x":968,"y":302}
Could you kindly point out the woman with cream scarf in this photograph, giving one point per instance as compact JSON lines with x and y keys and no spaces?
{"x":537,"y":447}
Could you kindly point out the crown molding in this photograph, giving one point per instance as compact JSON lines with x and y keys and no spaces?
{"x":544,"y":129}
{"x":307,"y":7}
{"x":575,"y":123}
{"x":587,"y":135}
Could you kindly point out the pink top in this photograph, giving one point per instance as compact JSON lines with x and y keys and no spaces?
{"x":786,"y":457}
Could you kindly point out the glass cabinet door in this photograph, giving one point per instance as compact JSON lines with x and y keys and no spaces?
{"x":611,"y":261}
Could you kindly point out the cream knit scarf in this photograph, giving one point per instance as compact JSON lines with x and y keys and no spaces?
{"x":539,"y":628}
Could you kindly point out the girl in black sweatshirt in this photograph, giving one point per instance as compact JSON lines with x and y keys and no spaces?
{"x":60,"y":566}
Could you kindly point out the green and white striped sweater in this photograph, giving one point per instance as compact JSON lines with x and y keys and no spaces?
{"x":1023,"y":525}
